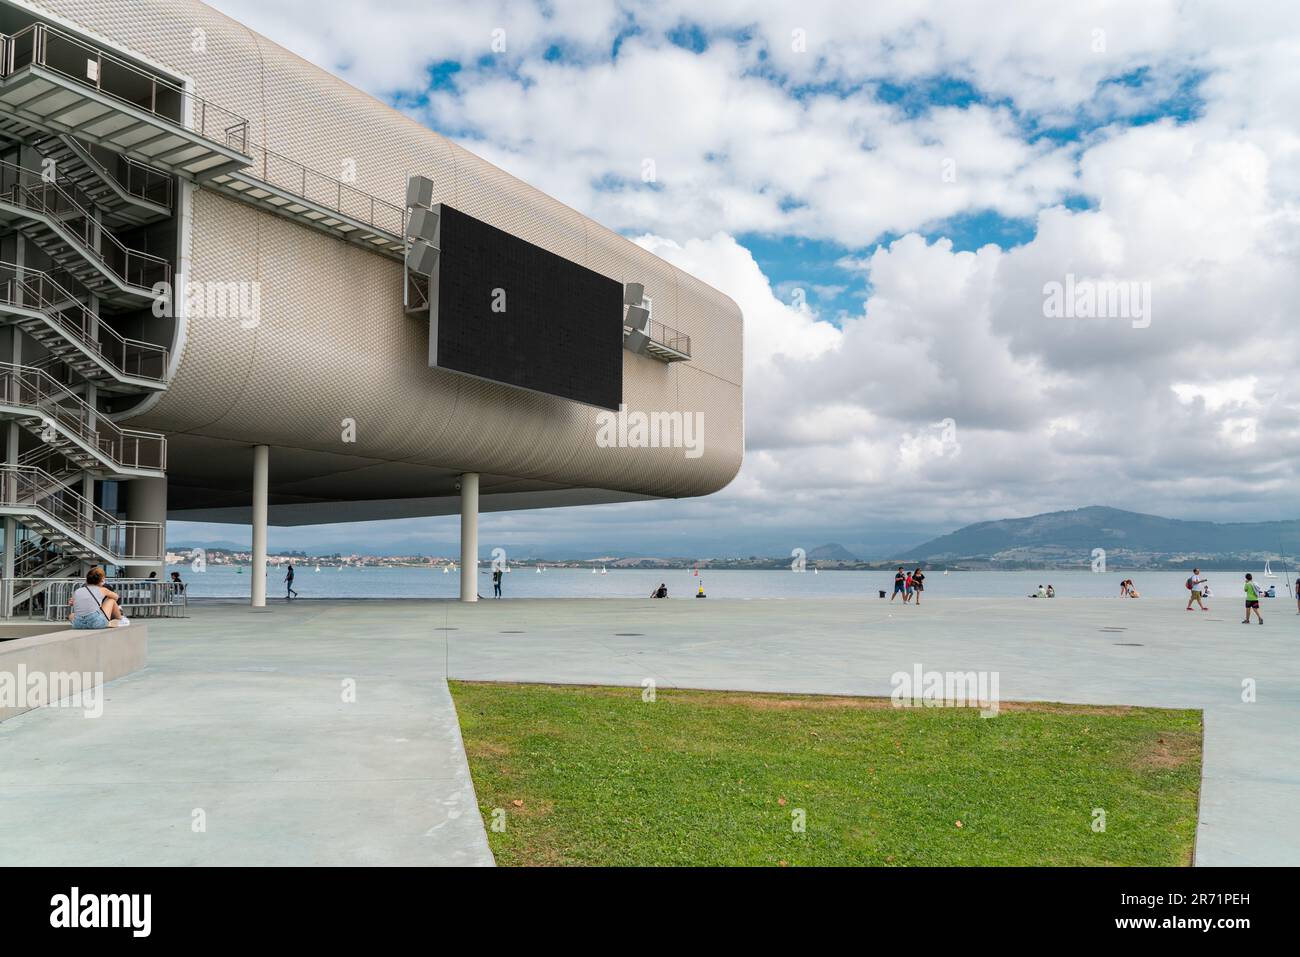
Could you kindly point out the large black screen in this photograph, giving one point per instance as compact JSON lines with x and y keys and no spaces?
{"x":506,"y":310}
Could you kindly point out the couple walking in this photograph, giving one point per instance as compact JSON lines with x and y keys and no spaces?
{"x":909,"y":584}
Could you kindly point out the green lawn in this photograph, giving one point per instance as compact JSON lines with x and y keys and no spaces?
{"x":596,"y":776}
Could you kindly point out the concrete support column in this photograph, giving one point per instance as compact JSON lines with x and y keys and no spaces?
{"x":261,"y":473}
{"x":146,"y":501}
{"x":469,"y":536}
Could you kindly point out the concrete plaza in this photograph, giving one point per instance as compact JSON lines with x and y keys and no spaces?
{"x":323,"y":732}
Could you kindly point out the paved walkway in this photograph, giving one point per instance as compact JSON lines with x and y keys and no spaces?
{"x":240,"y":712}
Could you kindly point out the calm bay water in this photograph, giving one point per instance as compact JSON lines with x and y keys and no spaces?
{"x":224,"y":582}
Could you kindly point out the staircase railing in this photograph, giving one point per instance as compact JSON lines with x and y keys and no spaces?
{"x":131,"y":176}
{"x":45,"y":46}
{"x":32,"y":388}
{"x":33,"y":289}
{"x":56,"y":199}
{"x":24,"y":487}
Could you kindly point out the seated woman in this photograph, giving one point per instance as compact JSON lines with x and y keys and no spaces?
{"x":94,"y":606}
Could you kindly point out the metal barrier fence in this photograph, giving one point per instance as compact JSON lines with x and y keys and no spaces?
{"x":47,"y":599}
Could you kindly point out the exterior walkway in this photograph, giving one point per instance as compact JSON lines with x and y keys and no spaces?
{"x":240,"y":713}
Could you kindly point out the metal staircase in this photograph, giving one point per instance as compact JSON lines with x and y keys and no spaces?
{"x":65,"y":423}
{"x":36,"y":303}
{"x":74,"y":524}
{"x":55,"y":215}
{"x":126,"y":191}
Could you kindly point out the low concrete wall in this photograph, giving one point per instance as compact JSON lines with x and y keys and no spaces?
{"x":103,"y":654}
{"x":25,"y":629}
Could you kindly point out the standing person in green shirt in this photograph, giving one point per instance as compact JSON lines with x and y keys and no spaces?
{"x":1252,"y":600}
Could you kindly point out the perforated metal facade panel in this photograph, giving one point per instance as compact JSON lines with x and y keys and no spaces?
{"x":332,"y":342}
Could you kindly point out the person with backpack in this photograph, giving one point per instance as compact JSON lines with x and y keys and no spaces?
{"x":1252,"y":600}
{"x":1194,"y":584}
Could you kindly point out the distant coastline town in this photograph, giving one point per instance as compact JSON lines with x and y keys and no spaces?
{"x":1024,"y":560}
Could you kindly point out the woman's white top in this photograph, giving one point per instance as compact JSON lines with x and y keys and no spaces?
{"x":86,"y":599}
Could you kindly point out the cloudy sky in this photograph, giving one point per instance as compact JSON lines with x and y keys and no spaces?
{"x":889,"y":192}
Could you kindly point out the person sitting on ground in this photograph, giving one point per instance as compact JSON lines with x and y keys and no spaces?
{"x":1051,"y":592}
{"x":1132,"y":590}
{"x":660,"y":592}
{"x":94,"y":606}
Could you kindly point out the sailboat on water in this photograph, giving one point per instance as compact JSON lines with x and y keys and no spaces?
{"x":1268,"y":572}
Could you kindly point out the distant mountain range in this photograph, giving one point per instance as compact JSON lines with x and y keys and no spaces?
{"x":1128,"y":538}
{"x":1053,"y":539}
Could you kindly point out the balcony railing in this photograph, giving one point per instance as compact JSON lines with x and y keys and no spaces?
{"x":660,"y":335}
{"x":59,"y":52}
{"x":324,"y":191}
{"x":33,"y":289}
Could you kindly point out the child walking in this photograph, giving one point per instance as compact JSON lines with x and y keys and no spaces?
{"x":1252,"y":600}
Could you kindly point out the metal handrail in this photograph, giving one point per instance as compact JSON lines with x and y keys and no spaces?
{"x":667,"y":336}
{"x":30,"y":387}
{"x":141,"y":597}
{"x":23,"y":287}
{"x":56,"y":200}
{"x":42,"y":45}
{"x":22,"y":487}
{"x":133,"y":177}
{"x":326,"y":191}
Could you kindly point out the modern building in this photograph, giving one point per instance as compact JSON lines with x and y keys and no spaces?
{"x":235,"y":288}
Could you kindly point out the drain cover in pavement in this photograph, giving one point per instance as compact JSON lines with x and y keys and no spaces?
{"x":629,"y":634}
{"x":514,"y":632}
{"x":1128,"y":644}
{"x":446,"y":629}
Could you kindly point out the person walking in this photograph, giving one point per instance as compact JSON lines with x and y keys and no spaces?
{"x":1195,"y":584}
{"x":1252,"y":600}
{"x":289,"y":593}
{"x":899,"y":578}
{"x":918,"y":584}
{"x":496,"y":583}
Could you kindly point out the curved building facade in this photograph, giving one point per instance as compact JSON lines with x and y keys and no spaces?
{"x":233,"y":228}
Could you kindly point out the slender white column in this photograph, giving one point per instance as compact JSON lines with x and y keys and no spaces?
{"x":469,"y":536}
{"x":261,"y":463}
